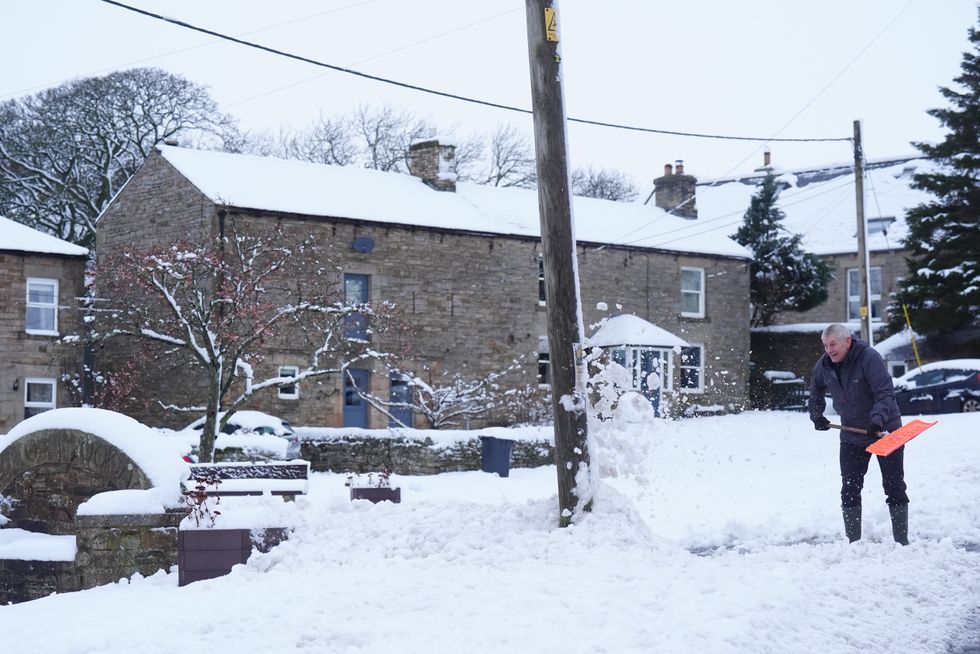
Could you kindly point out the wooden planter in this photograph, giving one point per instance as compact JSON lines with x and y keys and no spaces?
{"x":210,"y":553}
{"x":376,"y":494}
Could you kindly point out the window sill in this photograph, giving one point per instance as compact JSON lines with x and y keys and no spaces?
{"x":35,"y":332}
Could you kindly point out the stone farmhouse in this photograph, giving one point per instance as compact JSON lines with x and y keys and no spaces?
{"x":463,"y":262}
{"x":40,"y":278}
{"x":819,"y":204}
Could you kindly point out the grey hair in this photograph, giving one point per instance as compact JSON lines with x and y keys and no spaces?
{"x":837,"y":331}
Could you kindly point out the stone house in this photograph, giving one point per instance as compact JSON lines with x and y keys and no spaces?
{"x":40,"y":277}
{"x":462,"y":261}
{"x":819,"y":204}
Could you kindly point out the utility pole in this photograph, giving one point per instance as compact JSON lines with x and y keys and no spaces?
{"x":862,"y":231}
{"x":565,"y":326}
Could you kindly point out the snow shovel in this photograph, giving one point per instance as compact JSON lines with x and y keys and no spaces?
{"x":892,"y":440}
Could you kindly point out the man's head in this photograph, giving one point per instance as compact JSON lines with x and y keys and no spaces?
{"x":836,"y":342}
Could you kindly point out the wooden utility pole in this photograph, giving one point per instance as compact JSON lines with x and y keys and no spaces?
{"x":565,"y":326}
{"x":863,"y":263}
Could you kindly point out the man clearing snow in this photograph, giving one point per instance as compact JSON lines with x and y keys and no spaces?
{"x":864,"y":397}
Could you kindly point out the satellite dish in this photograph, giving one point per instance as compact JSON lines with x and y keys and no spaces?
{"x":363,"y":244}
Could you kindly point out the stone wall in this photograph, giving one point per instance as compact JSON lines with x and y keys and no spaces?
{"x":24,"y":355}
{"x":22,"y":581}
{"x":407,"y":456}
{"x":111,"y":547}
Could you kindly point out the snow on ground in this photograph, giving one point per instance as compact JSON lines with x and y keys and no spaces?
{"x":718,"y":534}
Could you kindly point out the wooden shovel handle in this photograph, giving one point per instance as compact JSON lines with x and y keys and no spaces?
{"x":846,"y":428}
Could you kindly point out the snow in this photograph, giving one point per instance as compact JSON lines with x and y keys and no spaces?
{"x":626,"y":329}
{"x":269,"y":184}
{"x":129,"y":500}
{"x":823,"y":211}
{"x":894,"y":342}
{"x":17,"y":237}
{"x":718,"y":534}
{"x":159,"y":459}
{"x":29,"y":546}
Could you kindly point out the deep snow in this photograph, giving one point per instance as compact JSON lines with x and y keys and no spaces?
{"x":708,"y":535}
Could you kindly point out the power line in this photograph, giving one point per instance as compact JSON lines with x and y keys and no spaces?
{"x":454,"y":96}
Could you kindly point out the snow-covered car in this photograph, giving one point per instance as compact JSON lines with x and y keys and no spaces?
{"x":253,"y":430}
{"x":940,"y":387}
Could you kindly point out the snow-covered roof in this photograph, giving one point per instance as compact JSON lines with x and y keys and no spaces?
{"x":17,"y":237}
{"x":268,"y":184}
{"x":626,"y":329}
{"x":820,"y":204}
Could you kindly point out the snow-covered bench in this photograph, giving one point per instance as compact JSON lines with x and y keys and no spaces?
{"x":248,"y":478}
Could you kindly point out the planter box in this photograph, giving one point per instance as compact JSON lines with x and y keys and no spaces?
{"x":495,"y":455}
{"x":210,"y":553}
{"x":376,"y":494}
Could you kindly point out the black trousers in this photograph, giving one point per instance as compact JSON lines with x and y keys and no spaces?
{"x":854,"y":465}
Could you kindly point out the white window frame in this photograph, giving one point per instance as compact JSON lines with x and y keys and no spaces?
{"x":681,"y":367}
{"x":41,"y":305}
{"x":700,"y":293}
{"x":289,"y":371}
{"x":873,"y":300}
{"x":544,"y":359}
{"x":44,"y":406}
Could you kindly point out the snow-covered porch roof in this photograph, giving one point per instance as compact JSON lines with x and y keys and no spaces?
{"x":626,"y":329}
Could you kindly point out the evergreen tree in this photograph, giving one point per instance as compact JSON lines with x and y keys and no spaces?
{"x":783,"y":276}
{"x":942,"y":291}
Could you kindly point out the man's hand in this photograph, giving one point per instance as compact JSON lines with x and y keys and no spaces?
{"x":875,"y":430}
{"x":821,"y":424}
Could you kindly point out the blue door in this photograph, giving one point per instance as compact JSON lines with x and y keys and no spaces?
{"x":355,"y":407}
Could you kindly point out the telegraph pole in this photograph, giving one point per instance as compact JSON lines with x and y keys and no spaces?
{"x":863,"y":261}
{"x":565,"y":326}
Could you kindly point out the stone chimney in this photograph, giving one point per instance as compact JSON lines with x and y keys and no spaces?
{"x":674,"y":192}
{"x":433,"y":163}
{"x":766,"y":163}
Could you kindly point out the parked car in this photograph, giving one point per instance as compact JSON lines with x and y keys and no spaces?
{"x":940,"y":387}
{"x":246,"y":426}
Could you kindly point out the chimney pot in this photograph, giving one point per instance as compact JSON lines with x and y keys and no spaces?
{"x":766,"y":158}
{"x":668,"y":170}
{"x":679,"y":165}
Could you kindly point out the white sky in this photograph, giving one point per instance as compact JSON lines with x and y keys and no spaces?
{"x":702,"y":66}
{"x":719,"y":535}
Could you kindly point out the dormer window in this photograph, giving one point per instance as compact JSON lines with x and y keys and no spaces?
{"x":880,"y":225}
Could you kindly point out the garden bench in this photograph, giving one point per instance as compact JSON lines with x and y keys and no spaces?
{"x":248,"y":478}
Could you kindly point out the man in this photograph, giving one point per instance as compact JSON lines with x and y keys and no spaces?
{"x":864,"y":397}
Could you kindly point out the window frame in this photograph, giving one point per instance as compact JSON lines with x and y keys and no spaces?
{"x":294,"y":395}
{"x":701,"y":293}
{"x":356,"y":326}
{"x":873,"y":299}
{"x":681,"y":367}
{"x":53,"y":306}
{"x":544,"y":363}
{"x":43,"y":406}
{"x":542,"y":288}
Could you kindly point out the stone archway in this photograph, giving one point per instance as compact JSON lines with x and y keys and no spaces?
{"x":50,"y":472}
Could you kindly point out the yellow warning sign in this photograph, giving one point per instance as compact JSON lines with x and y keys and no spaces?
{"x":551,"y":24}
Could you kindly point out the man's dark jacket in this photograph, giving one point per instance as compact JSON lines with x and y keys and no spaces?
{"x":861,"y":389}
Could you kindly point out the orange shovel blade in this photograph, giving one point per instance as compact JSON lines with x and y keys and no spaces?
{"x":894,"y":440}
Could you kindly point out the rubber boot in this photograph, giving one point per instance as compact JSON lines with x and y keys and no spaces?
{"x":900,"y":522}
{"x":852,"y":522}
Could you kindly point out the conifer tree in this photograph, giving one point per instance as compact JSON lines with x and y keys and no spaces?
{"x":783,"y":276}
{"x":942,"y":291}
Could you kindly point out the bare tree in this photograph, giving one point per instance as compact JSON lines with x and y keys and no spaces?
{"x":603,"y":184}
{"x":66,"y":151}
{"x":511,"y":159}
{"x":385,"y":134}
{"x":212,"y":306}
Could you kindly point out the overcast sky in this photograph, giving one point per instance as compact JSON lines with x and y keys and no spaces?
{"x":760,"y":68}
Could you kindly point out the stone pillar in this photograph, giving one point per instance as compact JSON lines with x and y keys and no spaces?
{"x":111,"y":547}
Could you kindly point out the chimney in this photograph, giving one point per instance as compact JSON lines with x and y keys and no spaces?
{"x":766,"y":158}
{"x":674,"y":192}
{"x":433,"y":163}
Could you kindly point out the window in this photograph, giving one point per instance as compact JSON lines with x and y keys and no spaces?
{"x":692,"y":292}
{"x":880,"y":225}
{"x":544,"y":362}
{"x":39,"y":395}
{"x":356,"y":293}
{"x":42,"y":306}
{"x":692,"y":368}
{"x":897,"y":368}
{"x":290,"y":392}
{"x":542,"y":297}
{"x":854,"y":294}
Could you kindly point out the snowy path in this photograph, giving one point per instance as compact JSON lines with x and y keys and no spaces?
{"x":474,"y":563}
